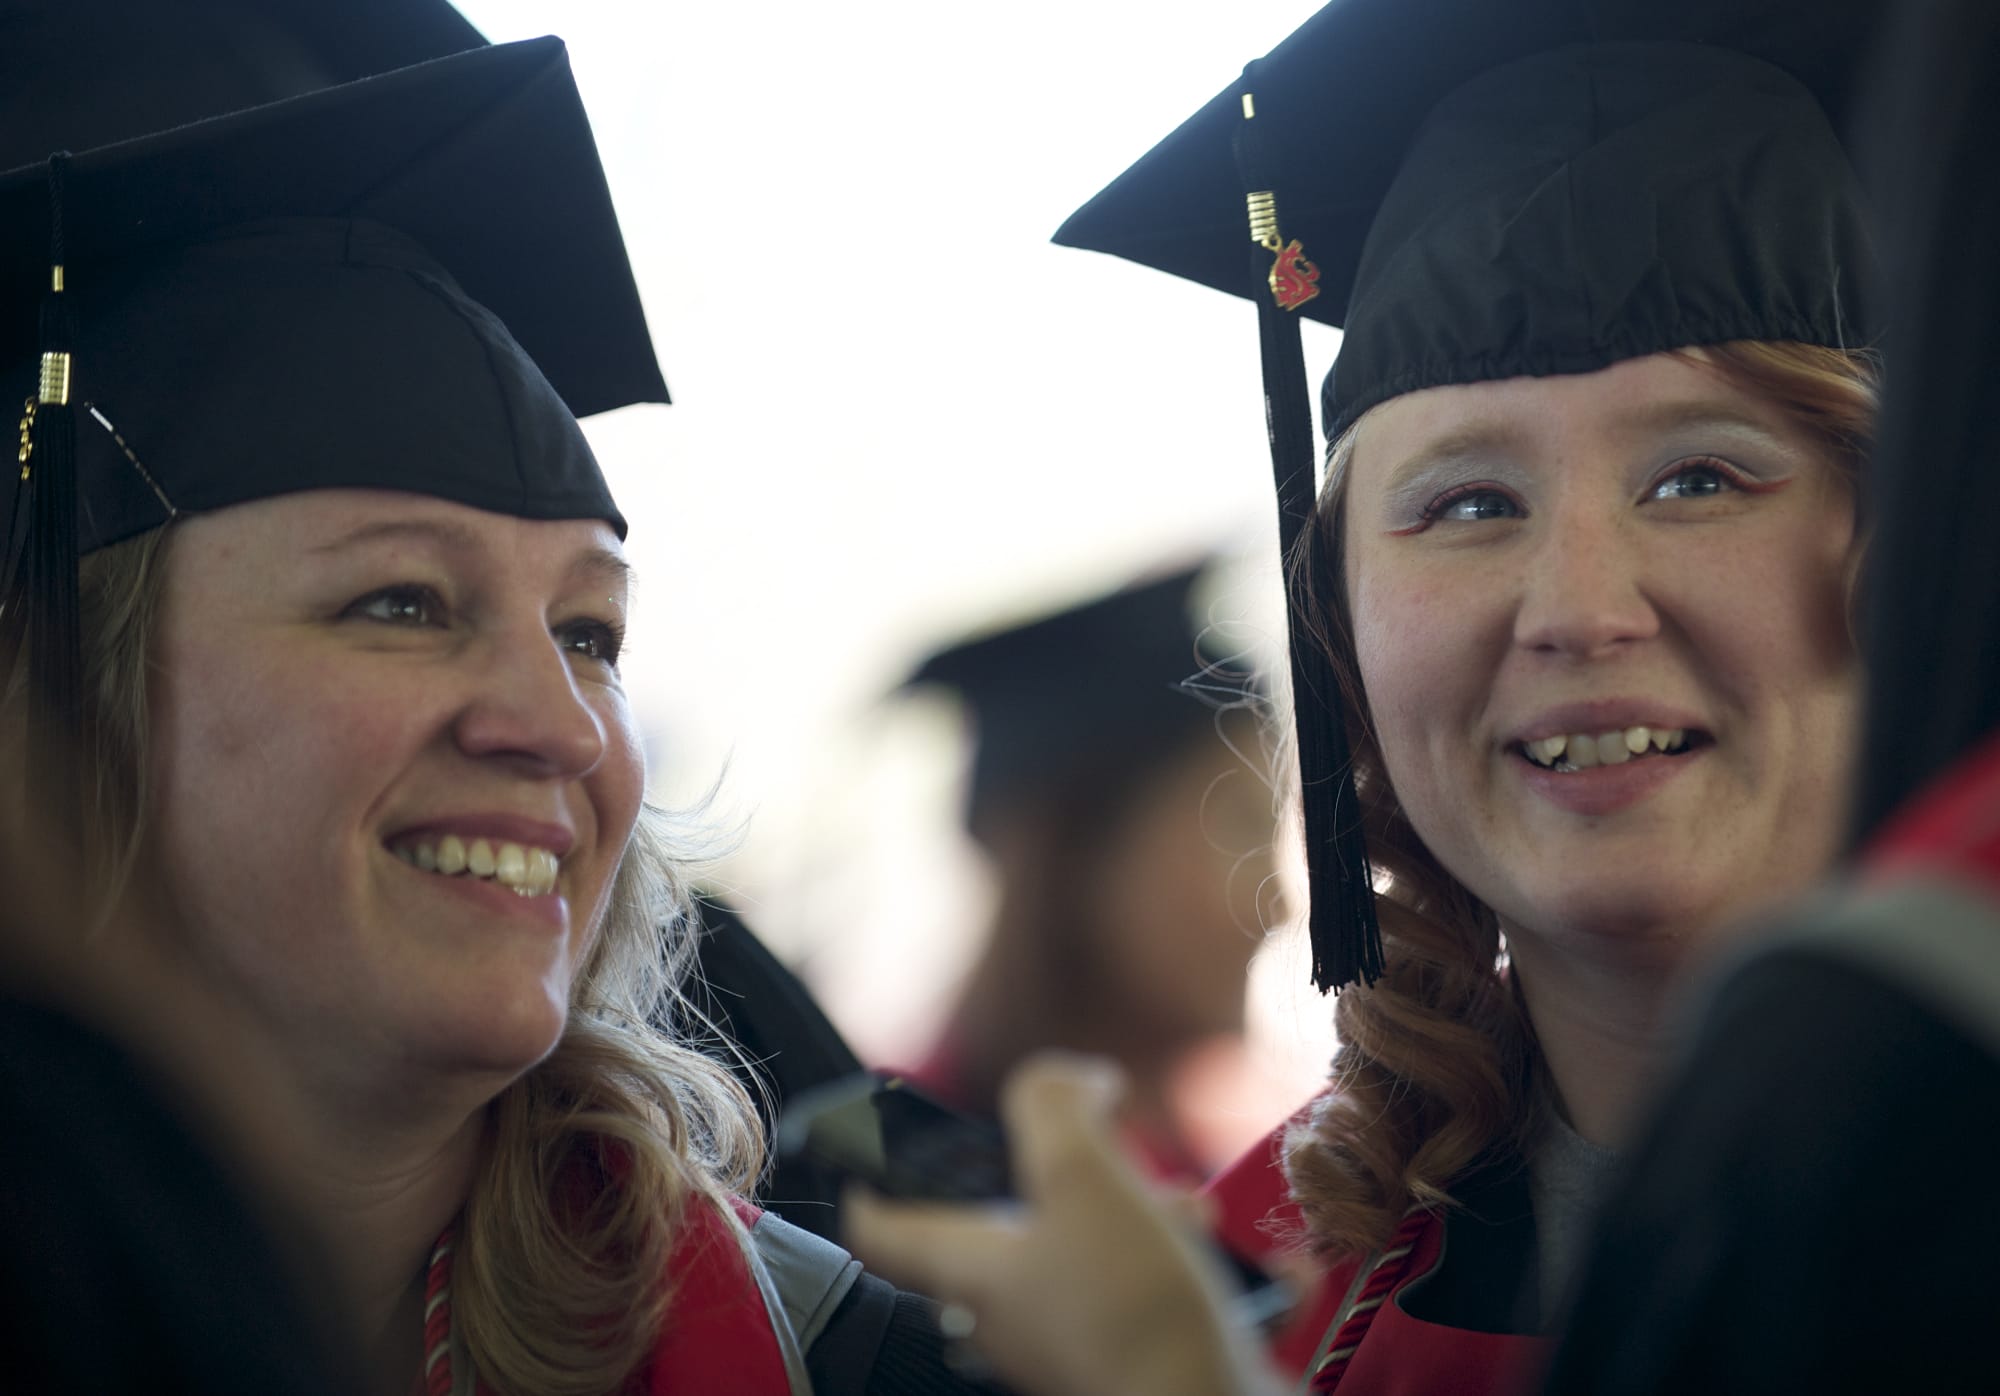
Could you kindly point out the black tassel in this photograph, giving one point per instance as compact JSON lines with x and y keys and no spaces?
{"x":48,"y":582}
{"x":1345,"y":934}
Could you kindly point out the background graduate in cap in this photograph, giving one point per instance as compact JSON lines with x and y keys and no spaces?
{"x":1130,"y":839}
{"x":313,"y":603}
{"x":1571,"y":663}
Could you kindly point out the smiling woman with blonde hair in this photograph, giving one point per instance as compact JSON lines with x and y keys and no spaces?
{"x":314,"y":646}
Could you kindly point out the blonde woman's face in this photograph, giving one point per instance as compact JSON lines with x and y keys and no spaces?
{"x":1648,"y":563}
{"x":358,"y":693}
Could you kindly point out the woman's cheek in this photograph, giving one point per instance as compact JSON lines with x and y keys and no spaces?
{"x":1780,"y":614}
{"x":1404,"y":638}
{"x":627,"y":780}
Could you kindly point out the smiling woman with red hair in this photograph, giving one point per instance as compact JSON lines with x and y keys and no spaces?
{"x":1663,"y":614}
{"x":1574,"y":681}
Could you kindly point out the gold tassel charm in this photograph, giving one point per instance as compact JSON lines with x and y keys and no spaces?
{"x":1264,"y":220}
{"x":55,"y":378}
{"x":27,"y":436}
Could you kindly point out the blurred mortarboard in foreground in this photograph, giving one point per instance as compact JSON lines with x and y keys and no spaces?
{"x":1477,"y":190}
{"x":1085,"y":691}
{"x":77,"y":74}
{"x":412,"y":282}
{"x":1930,"y":603}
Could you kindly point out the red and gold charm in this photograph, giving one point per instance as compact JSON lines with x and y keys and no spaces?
{"x":1294,"y":280}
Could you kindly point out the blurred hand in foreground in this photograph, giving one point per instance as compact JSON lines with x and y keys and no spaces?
{"x":1091,"y":1283}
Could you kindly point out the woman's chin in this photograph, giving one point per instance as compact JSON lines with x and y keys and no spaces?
{"x":1658,"y":920}
{"x":500,"y":1040}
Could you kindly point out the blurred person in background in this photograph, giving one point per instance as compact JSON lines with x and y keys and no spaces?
{"x":315,"y":613}
{"x":1573,"y":677}
{"x":1130,"y":839}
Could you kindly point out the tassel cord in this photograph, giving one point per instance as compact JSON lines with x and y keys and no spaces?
{"x":1344,"y":930}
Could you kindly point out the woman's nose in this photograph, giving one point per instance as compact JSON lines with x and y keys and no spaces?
{"x":528,"y":708}
{"x":1582,"y":591}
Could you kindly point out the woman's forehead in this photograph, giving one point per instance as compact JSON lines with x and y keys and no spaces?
{"x":316,"y":525}
{"x":1630,"y":405}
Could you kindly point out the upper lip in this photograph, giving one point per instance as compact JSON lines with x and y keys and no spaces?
{"x":503,"y":828}
{"x":1604,"y":715}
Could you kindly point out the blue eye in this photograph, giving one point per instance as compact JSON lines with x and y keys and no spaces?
{"x":1471,"y":504}
{"x":1697,"y":480}
{"x":401,"y":605}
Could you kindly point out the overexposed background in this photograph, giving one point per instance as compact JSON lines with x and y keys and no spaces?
{"x":901,"y":413}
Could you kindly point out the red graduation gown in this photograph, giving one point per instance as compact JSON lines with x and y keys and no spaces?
{"x":1951,"y":830}
{"x":1399,"y":1355}
{"x":718,"y":1334}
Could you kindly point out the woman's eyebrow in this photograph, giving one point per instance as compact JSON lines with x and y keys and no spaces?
{"x":595,"y":564}
{"x":602,"y":565}
{"x":1668,"y":418}
{"x":448,"y":535}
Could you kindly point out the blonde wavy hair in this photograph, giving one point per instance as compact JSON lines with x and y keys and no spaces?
{"x":591,"y":1157}
{"x":1438,"y":1065}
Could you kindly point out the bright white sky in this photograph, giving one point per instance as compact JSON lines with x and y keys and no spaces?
{"x":899,"y":412}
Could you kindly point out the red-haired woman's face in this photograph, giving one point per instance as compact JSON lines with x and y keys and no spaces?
{"x":394,"y":771}
{"x":1601,"y":621}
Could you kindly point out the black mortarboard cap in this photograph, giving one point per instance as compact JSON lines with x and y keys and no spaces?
{"x":411,"y":282}
{"x":1478,"y":190}
{"x":1085,"y":691}
{"x":77,"y":74}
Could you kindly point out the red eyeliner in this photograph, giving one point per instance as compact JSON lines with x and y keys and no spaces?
{"x":1445,"y":501}
{"x":1736,"y":478}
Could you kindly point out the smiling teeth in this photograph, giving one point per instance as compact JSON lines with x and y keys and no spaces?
{"x":529,"y":872}
{"x":1582,"y":750}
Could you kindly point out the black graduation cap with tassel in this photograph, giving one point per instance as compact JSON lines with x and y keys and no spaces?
{"x":1456,"y":184}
